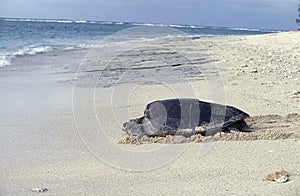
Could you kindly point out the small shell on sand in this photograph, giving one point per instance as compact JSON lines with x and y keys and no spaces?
{"x":280,"y":177}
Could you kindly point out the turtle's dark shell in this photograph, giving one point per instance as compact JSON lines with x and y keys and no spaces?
{"x":172,"y":116}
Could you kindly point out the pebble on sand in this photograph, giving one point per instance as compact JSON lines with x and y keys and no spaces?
{"x":254,"y":70}
{"x":296,"y":92}
{"x":39,"y":190}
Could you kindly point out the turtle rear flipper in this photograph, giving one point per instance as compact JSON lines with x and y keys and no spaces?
{"x":211,"y":131}
{"x":241,"y":126}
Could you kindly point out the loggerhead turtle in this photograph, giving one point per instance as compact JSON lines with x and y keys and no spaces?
{"x":185,"y":117}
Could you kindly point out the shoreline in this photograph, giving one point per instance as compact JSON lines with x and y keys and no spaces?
{"x":42,"y":146}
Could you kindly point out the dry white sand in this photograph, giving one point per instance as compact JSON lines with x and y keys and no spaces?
{"x":41,"y":146}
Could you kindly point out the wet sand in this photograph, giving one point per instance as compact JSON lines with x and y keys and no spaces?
{"x":60,"y":130}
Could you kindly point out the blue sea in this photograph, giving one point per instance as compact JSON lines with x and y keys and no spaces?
{"x":19,"y":37}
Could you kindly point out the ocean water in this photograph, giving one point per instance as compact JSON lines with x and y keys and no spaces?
{"x":19,"y":37}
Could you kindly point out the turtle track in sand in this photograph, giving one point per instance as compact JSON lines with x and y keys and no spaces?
{"x":268,"y":127}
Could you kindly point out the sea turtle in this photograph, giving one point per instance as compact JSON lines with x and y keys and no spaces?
{"x":186,"y":117}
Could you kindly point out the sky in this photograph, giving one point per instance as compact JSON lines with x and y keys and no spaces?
{"x":263,"y":14}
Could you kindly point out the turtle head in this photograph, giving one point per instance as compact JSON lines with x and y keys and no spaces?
{"x":128,"y":125}
{"x":134,"y":127}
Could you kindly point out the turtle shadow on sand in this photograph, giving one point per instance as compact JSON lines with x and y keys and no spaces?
{"x":186,"y":117}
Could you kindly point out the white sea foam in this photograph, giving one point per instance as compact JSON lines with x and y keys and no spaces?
{"x":178,"y":26}
{"x":32,"y":50}
{"x":168,"y":25}
{"x":253,"y":29}
{"x":4,"y":61}
{"x":106,"y":22}
{"x":60,"y":21}
{"x":81,"y":21}
{"x":143,"y":24}
{"x":86,"y":46}
{"x":79,"y":46}
{"x":45,"y":20}
{"x":196,"y":27}
{"x":6,"y":57}
{"x":243,"y":29}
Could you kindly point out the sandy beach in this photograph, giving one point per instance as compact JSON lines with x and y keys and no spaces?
{"x":61,"y":118}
